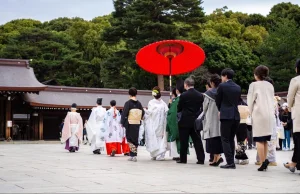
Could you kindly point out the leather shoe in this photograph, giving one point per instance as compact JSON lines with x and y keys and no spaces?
{"x":180,"y":162}
{"x":202,"y":163}
{"x":228,"y":166}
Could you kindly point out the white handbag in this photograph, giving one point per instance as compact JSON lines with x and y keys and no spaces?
{"x":281,"y":132}
{"x":249,"y":120}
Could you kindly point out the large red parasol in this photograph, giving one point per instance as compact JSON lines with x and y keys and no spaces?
{"x":170,"y":57}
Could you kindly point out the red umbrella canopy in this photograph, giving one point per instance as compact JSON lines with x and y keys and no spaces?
{"x":170,"y":57}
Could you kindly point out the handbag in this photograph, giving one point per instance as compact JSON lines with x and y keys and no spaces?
{"x":249,"y":120}
{"x":199,"y":122}
{"x":280,"y":129}
{"x":179,"y":115}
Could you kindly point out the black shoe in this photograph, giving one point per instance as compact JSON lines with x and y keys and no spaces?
{"x":113,"y":153}
{"x":228,"y":166}
{"x":127,"y":154}
{"x":249,"y":148}
{"x":213,"y":164}
{"x":180,"y":162}
{"x":218,"y":163}
{"x":264,"y":166}
{"x":241,"y":156}
{"x":176,"y":159}
{"x":202,"y":163}
{"x":97,"y":152}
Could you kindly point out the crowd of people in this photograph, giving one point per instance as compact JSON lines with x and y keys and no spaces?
{"x":219,"y":117}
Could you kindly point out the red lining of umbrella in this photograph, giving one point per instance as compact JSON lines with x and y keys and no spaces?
{"x":155,"y":58}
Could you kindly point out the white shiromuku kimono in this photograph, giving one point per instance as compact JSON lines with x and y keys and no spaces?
{"x":155,"y":128}
{"x":141,"y":131}
{"x":72,"y":131}
{"x":114,"y":131}
{"x":95,"y":128}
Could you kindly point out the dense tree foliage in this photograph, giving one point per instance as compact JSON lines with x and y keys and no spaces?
{"x":101,"y":52}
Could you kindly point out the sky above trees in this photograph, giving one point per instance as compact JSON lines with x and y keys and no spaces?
{"x":45,"y":10}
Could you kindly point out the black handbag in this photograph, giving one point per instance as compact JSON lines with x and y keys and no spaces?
{"x":179,"y":114}
{"x":199,"y":123}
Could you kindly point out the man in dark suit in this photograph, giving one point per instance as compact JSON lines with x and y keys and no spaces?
{"x":189,"y":105}
{"x":227,"y":101}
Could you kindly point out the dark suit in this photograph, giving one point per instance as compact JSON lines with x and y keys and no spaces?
{"x":227,"y":101}
{"x":190,"y":104}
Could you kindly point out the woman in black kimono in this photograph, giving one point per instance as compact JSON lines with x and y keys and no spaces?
{"x":132,"y":115}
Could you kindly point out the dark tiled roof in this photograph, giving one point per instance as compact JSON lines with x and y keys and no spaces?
{"x":16,"y":75}
{"x":63,"y":97}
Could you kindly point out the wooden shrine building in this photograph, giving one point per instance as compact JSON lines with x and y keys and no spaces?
{"x":30,"y":110}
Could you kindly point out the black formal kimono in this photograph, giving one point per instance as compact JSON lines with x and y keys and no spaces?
{"x":132,"y":114}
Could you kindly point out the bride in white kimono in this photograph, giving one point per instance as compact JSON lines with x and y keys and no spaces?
{"x":155,"y":126}
{"x":72,"y":130}
{"x":95,"y":128}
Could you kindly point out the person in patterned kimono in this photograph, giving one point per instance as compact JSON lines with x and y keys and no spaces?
{"x":114,"y":130}
{"x":95,"y":128}
{"x":132,"y":115}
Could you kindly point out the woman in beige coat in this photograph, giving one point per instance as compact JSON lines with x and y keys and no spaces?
{"x":261,"y":106}
{"x":294,"y":106}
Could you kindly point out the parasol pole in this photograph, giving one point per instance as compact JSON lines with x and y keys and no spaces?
{"x":170,"y":77}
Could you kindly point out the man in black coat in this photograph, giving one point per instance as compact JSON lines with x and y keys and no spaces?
{"x":189,"y":106}
{"x":227,"y":101}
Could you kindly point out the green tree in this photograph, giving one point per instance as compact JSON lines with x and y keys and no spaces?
{"x":280,"y":51}
{"x":286,"y":11}
{"x":142,"y":22}
{"x":54,"y":55}
{"x":61,"y":24}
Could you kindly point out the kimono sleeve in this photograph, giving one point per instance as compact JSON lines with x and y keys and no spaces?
{"x":125,"y":113}
{"x":66,"y":133}
{"x":150,"y":108}
{"x":80,"y":128}
{"x":118,"y":117}
{"x":66,"y":123}
{"x":143,"y":111}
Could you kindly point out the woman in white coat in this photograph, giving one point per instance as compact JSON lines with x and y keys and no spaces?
{"x":294,"y":105}
{"x":261,"y":106}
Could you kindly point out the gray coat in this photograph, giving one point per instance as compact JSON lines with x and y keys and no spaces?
{"x":211,"y":122}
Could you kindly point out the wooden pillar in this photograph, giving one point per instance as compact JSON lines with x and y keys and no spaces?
{"x":2,"y":119}
{"x":161,"y":83}
{"x":41,"y":126}
{"x":36,"y":128}
{"x":8,"y":118}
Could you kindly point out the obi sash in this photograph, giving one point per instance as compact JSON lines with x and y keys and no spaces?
{"x":135,"y":116}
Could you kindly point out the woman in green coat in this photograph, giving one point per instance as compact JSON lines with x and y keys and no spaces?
{"x":172,"y":122}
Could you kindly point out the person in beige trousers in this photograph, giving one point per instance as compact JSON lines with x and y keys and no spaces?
{"x":294,"y":106}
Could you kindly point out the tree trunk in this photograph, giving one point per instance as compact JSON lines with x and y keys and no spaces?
{"x":161,"y":83}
